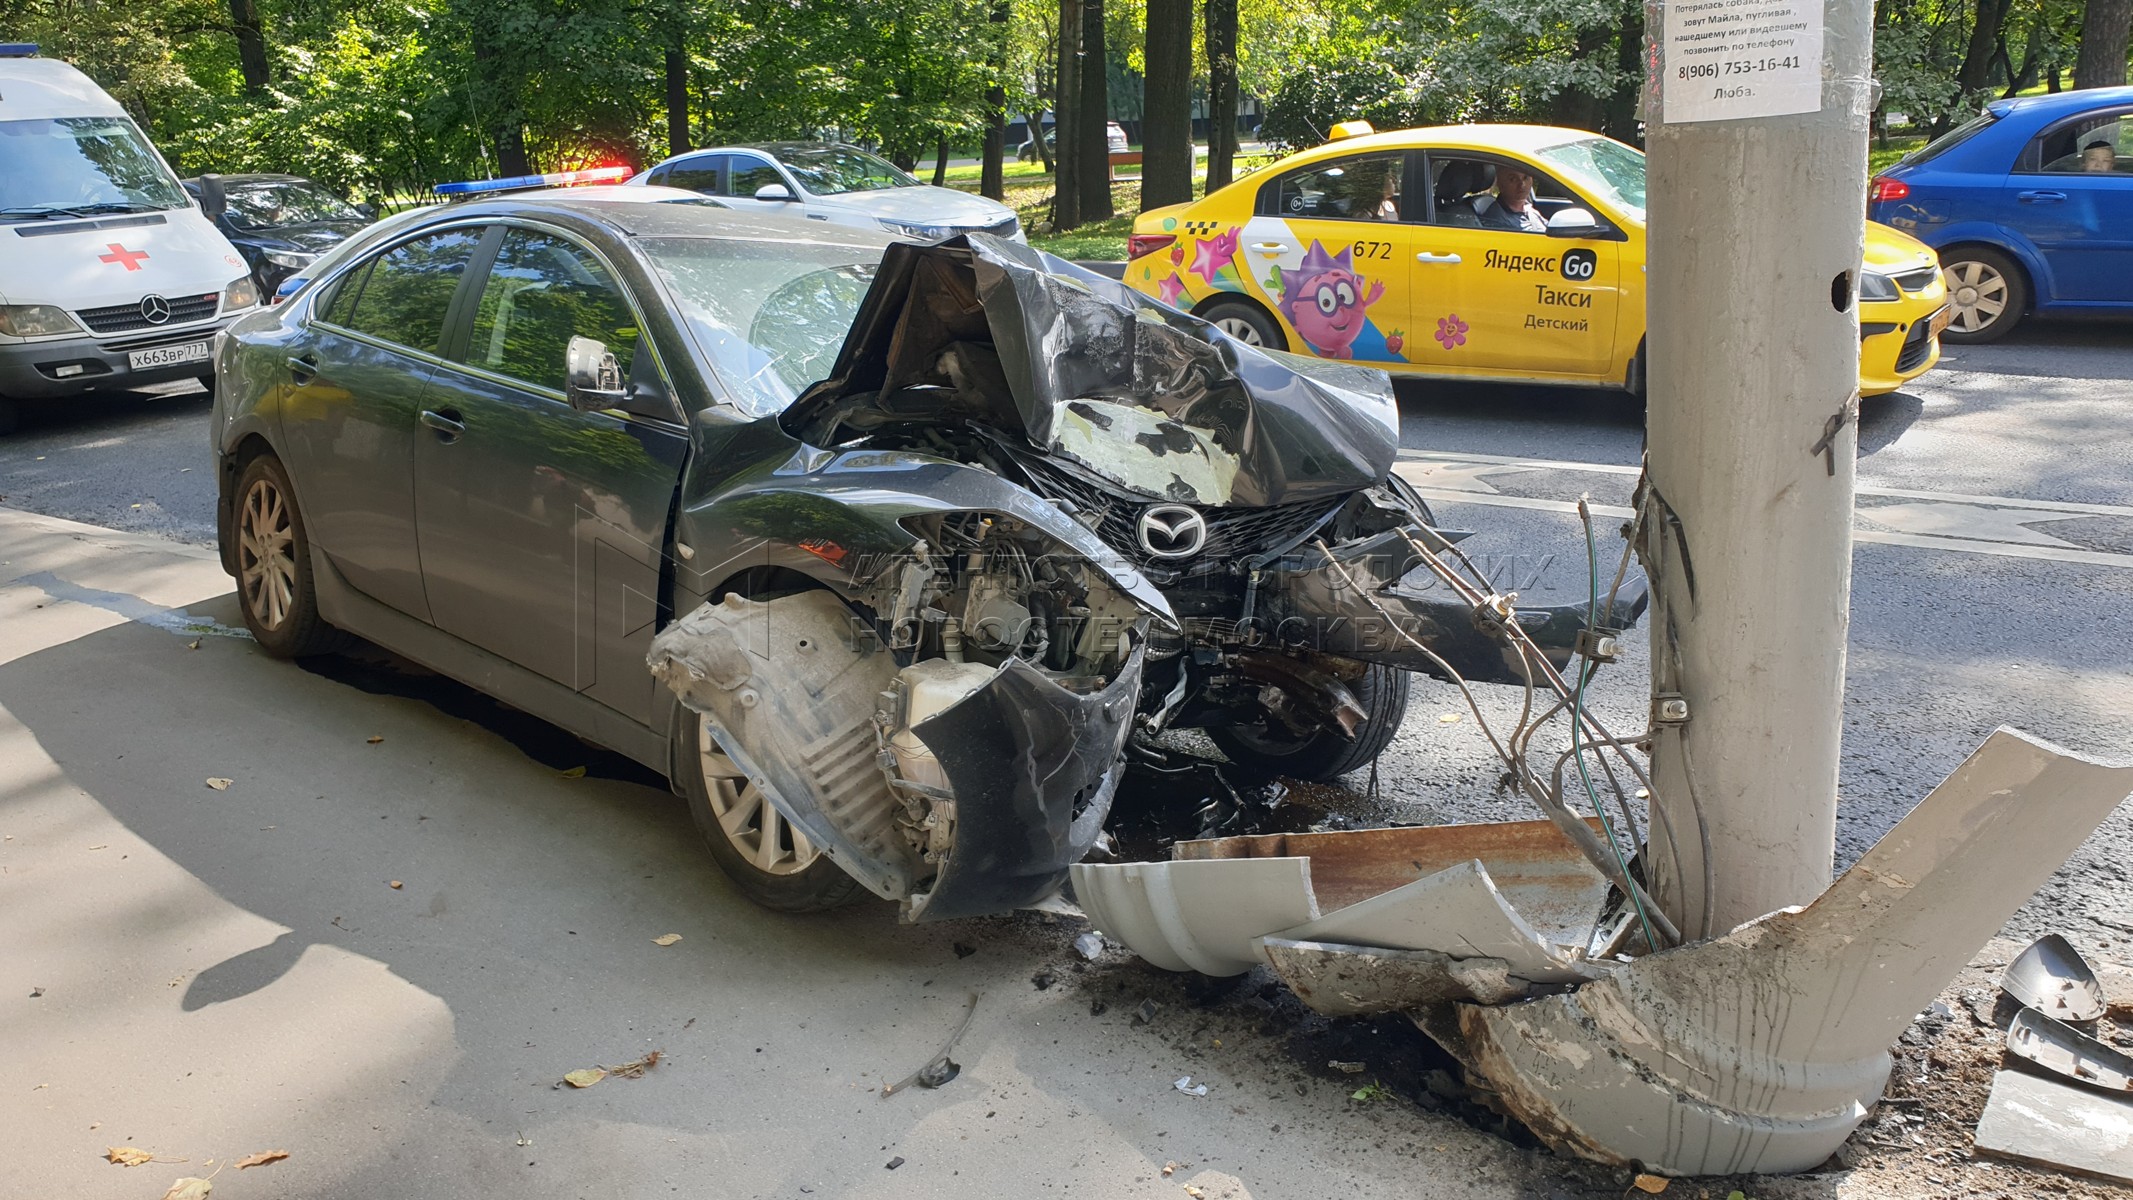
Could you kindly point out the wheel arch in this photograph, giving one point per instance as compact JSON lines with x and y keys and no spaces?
{"x":249,"y":445}
{"x":1246,"y":299}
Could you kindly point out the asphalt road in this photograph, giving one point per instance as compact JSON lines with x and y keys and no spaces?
{"x":1993,"y":572}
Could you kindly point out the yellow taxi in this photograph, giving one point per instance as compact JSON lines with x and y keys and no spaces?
{"x":1395,"y":249}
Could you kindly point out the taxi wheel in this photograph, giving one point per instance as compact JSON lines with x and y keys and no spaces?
{"x":1245,"y":323}
{"x":1987,"y":295}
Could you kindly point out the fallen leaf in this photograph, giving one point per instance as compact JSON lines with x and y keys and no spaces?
{"x":585,"y":1078}
{"x":193,"y":645}
{"x":635,"y":1069}
{"x":375,"y":738}
{"x":1652,"y":1184}
{"x":1190,"y":1190}
{"x":261,"y":1159}
{"x":129,"y":1156}
{"x":572,"y":773}
{"x":101,"y":846}
{"x":189,"y":1189}
{"x":396,"y":885}
{"x":1169,"y":1168}
{"x":666,"y":939}
{"x":1448,"y":719}
{"x":220,"y":784}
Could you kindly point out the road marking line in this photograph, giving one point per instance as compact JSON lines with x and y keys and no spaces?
{"x":2098,"y":558}
{"x":1864,"y":489}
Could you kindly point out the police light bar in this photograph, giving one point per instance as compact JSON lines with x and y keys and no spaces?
{"x":518,"y":182}
{"x":18,"y":49}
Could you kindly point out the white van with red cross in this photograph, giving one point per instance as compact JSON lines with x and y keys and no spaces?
{"x":110,"y":276}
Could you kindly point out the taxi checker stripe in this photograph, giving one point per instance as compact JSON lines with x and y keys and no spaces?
{"x":130,"y":259}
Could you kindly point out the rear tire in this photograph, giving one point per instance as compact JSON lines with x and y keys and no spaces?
{"x":1325,"y":754}
{"x":1988,"y":293}
{"x":1246,"y":323}
{"x":771,"y":863}
{"x":275,"y":588}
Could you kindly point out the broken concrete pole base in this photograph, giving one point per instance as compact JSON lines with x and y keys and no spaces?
{"x":1759,"y":1051}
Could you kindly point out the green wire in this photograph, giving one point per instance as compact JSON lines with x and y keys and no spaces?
{"x":1577,"y":722}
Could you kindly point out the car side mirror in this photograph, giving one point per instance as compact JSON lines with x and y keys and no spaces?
{"x":592,"y":376}
{"x":1575,"y":223}
{"x":214,"y":198}
{"x":774,"y":191}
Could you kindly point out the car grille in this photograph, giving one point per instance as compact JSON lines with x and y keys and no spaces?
{"x":127,"y":318}
{"x":1232,"y":533}
{"x":1917,"y":346}
{"x":1919,"y":280}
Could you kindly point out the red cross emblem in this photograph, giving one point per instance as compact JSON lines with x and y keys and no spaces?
{"x":130,"y":259}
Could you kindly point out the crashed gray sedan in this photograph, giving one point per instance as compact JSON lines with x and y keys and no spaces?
{"x":918,"y":542}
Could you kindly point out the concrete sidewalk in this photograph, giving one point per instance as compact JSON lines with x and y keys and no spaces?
{"x":210,"y":973}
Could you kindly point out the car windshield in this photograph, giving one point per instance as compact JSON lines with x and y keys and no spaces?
{"x":66,"y":166}
{"x":1608,"y":168}
{"x":768,"y":316}
{"x":834,"y":170}
{"x":272,"y":205}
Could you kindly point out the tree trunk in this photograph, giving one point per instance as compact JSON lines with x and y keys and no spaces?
{"x":1221,"y":36}
{"x":677,"y":99}
{"x":1573,"y":106}
{"x":251,"y":45}
{"x":1166,"y":106}
{"x":992,"y":174}
{"x":1066,"y":113}
{"x":940,"y":163}
{"x":1621,"y":122}
{"x":2102,"y":61}
{"x":1976,"y":72}
{"x":1035,"y":122}
{"x":511,"y":148}
{"x":1095,"y":115}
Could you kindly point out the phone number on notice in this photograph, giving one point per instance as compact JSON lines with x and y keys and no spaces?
{"x":1744,"y":66}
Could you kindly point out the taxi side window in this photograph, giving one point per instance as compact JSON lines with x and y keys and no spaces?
{"x":541,"y":292}
{"x":409,"y":289}
{"x":1364,"y":188}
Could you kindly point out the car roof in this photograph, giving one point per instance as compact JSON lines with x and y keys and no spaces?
{"x":1499,"y":138}
{"x":631,"y":217}
{"x":241,"y":180}
{"x":2051,"y":104}
{"x":46,"y":88}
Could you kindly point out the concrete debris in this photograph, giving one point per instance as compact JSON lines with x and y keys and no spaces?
{"x":2032,"y":1119}
{"x":1759,"y":1051}
{"x":1360,"y":981}
{"x":1145,"y":1014}
{"x":2052,"y":978}
{"x":1346,"y":1068}
{"x":1090,"y":946}
{"x":2058,"y":1046}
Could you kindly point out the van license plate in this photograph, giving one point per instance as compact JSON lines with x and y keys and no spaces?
{"x":165,"y":356}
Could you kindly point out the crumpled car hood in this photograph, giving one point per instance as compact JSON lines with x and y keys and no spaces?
{"x":1164,"y":405}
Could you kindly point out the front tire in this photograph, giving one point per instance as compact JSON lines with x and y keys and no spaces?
{"x":1246,"y":323}
{"x":771,"y":862}
{"x":275,"y":588}
{"x":1324,"y":754}
{"x":1987,"y":292}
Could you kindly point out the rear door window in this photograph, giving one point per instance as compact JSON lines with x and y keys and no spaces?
{"x":409,"y":290}
{"x":1363,"y":188}
{"x":2097,"y":143}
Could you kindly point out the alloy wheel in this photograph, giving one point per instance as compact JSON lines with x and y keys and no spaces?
{"x":1977,"y":293}
{"x":1241,"y":329}
{"x":755,"y":827}
{"x":266,"y":553}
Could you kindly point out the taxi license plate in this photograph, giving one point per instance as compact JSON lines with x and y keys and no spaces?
{"x":165,"y":356}
{"x":1940,"y":319}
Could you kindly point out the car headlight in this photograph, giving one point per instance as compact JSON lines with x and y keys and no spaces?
{"x":240,"y":294}
{"x":35,"y":320}
{"x":1876,"y":286}
{"x":924,"y":233}
{"x":295,"y":260}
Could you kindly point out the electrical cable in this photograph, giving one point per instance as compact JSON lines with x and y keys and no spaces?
{"x":1577,"y":707}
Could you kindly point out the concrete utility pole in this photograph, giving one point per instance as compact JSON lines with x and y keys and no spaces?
{"x":1757,"y":130}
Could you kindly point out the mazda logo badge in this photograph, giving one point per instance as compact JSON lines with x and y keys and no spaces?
{"x":155,"y":309}
{"x":1173,"y":531}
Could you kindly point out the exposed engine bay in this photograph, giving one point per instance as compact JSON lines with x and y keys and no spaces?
{"x":1086,"y":518}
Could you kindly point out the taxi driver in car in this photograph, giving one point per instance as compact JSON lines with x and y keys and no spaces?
{"x":1511,"y":207}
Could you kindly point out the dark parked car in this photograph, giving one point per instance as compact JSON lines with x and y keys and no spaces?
{"x":280,"y":223}
{"x":918,"y":537}
{"x":2030,"y":206}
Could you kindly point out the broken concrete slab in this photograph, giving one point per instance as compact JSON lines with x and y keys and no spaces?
{"x":2052,"y":978}
{"x":1760,"y":1050}
{"x":2032,"y":1119}
{"x":1361,"y":981}
{"x":1196,"y":916}
{"x":2058,"y":1046}
{"x":1457,"y":911}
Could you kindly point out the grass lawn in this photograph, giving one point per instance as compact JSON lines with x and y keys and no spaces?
{"x":1877,"y":158}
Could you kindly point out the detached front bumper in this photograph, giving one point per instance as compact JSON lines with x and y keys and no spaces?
{"x":53,"y":368}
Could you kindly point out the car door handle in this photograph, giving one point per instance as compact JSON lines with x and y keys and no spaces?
{"x":1271,"y":247}
{"x":1427,"y":257}
{"x":445,"y":421}
{"x":2040,"y":197}
{"x":303,"y":369}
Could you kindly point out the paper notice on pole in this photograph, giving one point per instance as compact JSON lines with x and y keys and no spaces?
{"x":1730,"y":59}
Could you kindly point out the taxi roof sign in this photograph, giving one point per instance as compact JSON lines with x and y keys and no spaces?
{"x":475,"y":187}
{"x":1349,"y":129}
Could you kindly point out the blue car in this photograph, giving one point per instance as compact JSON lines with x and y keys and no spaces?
{"x":2030,"y":206}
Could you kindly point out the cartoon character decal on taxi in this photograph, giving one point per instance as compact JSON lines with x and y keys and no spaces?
{"x":1327,"y":302}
